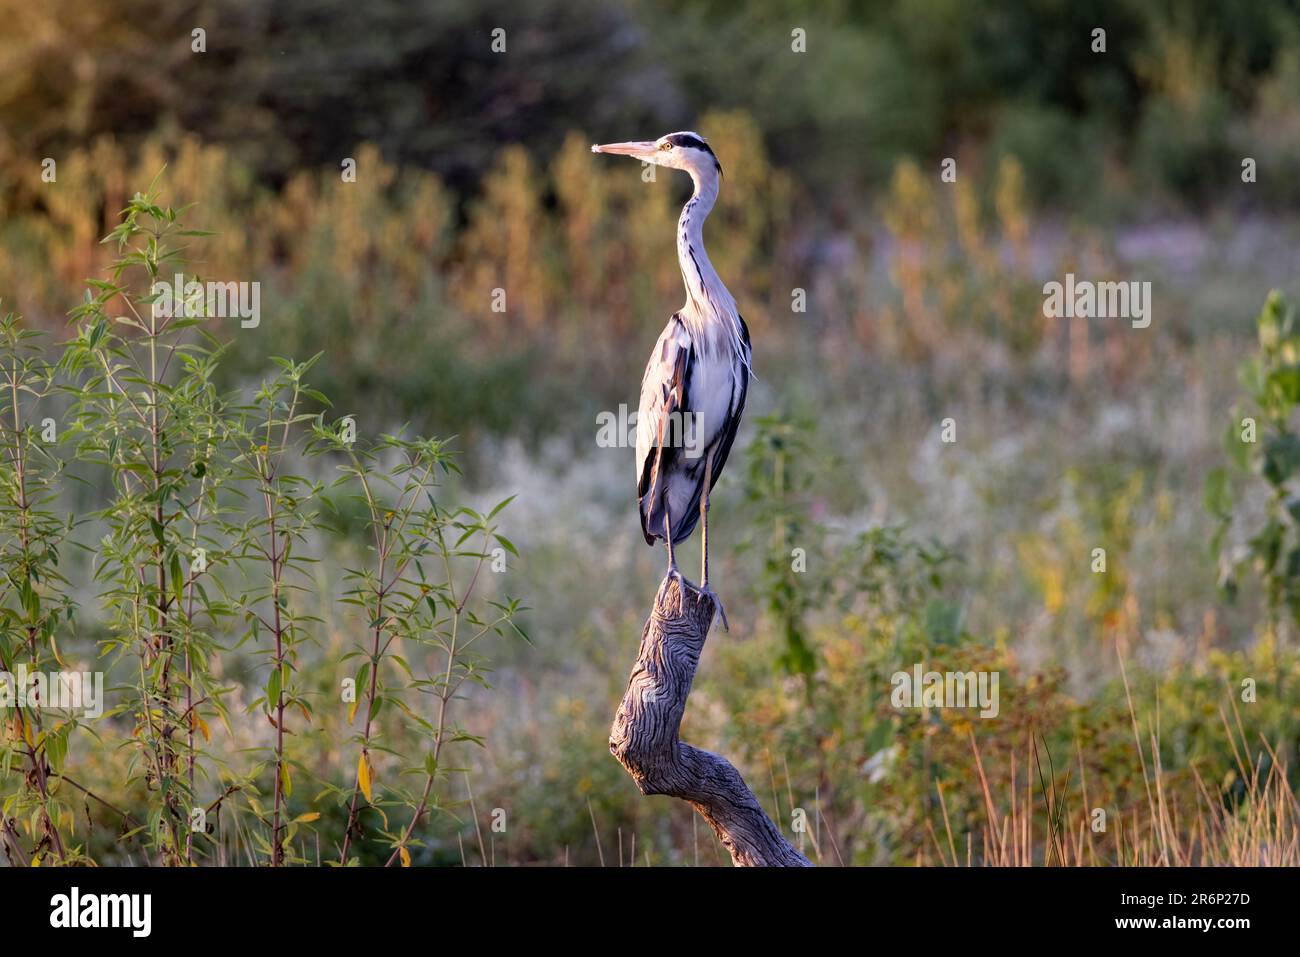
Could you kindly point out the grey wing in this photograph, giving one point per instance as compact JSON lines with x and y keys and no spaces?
{"x":733,"y":416}
{"x":664,"y":393}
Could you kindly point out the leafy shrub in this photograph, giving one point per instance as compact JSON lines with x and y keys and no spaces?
{"x":204,"y":554}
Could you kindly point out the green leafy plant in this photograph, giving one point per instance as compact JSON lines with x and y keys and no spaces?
{"x":151,"y":432}
{"x":413,"y":602}
{"x":1261,"y":442}
{"x":205,"y":542}
{"x":266,"y":437}
{"x":776,"y":486}
{"x":34,"y":601}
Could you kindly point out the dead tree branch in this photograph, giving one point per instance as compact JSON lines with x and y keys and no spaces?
{"x":644,"y":734}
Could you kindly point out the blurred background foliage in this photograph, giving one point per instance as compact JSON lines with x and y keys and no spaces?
{"x":923,"y":302}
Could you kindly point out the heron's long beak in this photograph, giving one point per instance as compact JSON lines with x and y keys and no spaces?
{"x":642,"y":150}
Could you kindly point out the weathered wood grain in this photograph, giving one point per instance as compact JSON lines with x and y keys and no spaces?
{"x":644,"y":736}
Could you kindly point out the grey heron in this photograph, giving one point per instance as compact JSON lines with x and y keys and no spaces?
{"x":694,"y":388}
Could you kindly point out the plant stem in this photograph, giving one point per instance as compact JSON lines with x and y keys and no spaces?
{"x":39,"y":768}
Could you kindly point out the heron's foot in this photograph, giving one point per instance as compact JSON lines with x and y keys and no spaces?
{"x":713,"y":596}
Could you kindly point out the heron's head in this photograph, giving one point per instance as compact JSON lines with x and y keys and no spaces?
{"x":685,"y":151}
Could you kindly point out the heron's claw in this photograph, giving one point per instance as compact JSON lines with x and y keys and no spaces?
{"x":722,"y":612}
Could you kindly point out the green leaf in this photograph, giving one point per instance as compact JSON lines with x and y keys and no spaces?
{"x":178,"y":578}
{"x":1270,"y":322}
{"x":273,"y":686}
{"x":31,"y":600}
{"x":1218,"y":496}
{"x":1281,"y":457}
{"x":56,"y":746}
{"x":1285,"y":382}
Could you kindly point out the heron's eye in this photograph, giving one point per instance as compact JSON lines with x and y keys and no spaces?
{"x":665,"y":146}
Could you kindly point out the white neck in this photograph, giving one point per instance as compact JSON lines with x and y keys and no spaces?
{"x":707,"y":300}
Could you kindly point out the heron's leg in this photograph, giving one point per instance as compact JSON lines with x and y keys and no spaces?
{"x":704,"y":523}
{"x":704,"y":543}
{"x":668,"y":537}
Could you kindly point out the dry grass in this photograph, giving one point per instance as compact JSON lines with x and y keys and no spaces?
{"x":1261,"y":828}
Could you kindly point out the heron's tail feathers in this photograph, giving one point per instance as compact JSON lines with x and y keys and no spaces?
{"x":652,"y":521}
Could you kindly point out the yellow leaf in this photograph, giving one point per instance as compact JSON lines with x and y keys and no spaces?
{"x":306,"y":818}
{"x":198,"y":724}
{"x":36,"y":861}
{"x":27,"y":731}
{"x":406,"y":856}
{"x":363,"y":775}
{"x":352,"y":711}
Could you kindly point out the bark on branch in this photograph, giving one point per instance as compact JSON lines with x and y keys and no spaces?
{"x":644,"y":733}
